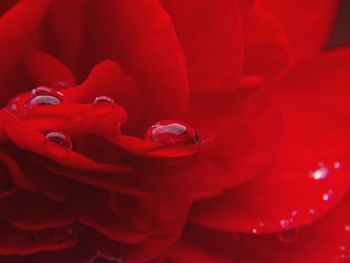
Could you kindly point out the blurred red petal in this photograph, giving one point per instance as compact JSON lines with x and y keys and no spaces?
{"x":18,"y":28}
{"x":45,"y":69}
{"x":307,"y":23}
{"x":267,"y":49}
{"x":211,"y":37}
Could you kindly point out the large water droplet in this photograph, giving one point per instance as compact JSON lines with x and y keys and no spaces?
{"x":171,"y":132}
{"x":43,"y":96}
{"x":103,"y":99}
{"x":61,"y":138}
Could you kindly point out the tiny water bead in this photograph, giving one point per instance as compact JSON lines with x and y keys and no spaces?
{"x":60,"y":138}
{"x":327,"y":195}
{"x":259,"y":229}
{"x":172,"y":132}
{"x":103,"y":99}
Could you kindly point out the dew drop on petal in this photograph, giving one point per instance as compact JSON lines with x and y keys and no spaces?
{"x":311,"y":212}
{"x":320,"y":173}
{"x":42,"y":90}
{"x":337,"y":165}
{"x":43,"y":96}
{"x":103,"y":99}
{"x":327,"y":195}
{"x":61,"y":138}
{"x":347,"y":228}
{"x":171,"y":132}
{"x":260,"y":228}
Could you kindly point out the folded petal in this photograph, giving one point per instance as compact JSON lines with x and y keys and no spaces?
{"x":108,"y":79}
{"x":141,"y":37}
{"x":18,"y":242}
{"x":45,"y":69}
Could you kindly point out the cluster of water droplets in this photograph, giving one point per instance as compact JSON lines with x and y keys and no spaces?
{"x":322,"y":173}
{"x":167,"y":132}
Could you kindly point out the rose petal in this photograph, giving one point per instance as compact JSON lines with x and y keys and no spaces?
{"x":45,"y":69}
{"x":211,"y":38}
{"x":324,"y":241}
{"x":26,"y":137}
{"x":108,"y":79}
{"x":146,"y":48}
{"x":246,"y":132}
{"x":35,"y":213}
{"x":143,"y":252}
{"x":18,"y":242}
{"x":267,"y":50}
{"x":200,"y":245}
{"x":83,"y":251}
{"x":62,"y":31}
{"x":16,"y":174}
{"x":17,"y":31}
{"x":93,"y":211}
{"x":315,"y":142}
{"x":309,"y":32}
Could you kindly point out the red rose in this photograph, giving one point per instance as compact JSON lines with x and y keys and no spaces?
{"x":200,"y":131}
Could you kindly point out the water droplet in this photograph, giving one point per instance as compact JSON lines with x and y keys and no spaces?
{"x":289,"y":235}
{"x":103,"y":99}
{"x":312,"y":212}
{"x":170,"y":132}
{"x":337,"y":165}
{"x":42,"y":90}
{"x":61,"y":138}
{"x":347,"y":228}
{"x":327,"y":196}
{"x":320,"y":173}
{"x":295,"y":213}
{"x":44,"y":96}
